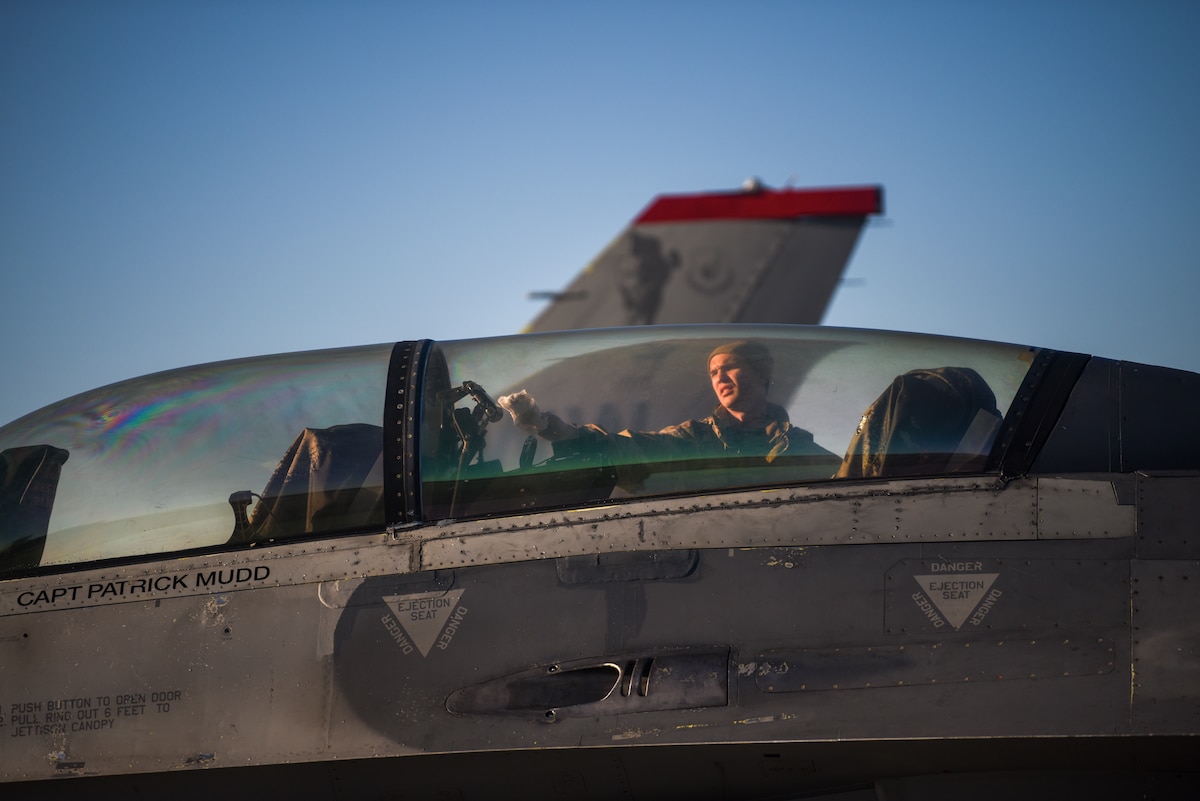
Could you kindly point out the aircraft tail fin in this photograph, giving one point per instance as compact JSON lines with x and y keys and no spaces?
{"x":754,"y":256}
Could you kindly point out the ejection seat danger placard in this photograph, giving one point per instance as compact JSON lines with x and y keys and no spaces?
{"x":424,"y":620}
{"x":949,"y":595}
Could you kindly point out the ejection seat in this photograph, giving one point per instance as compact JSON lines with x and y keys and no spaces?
{"x":28,"y":483}
{"x":927,"y":422}
{"x":330,"y":479}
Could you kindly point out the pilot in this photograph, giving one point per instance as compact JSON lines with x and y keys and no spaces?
{"x":744,"y":422}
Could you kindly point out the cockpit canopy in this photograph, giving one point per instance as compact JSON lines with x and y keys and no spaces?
{"x":266,"y":449}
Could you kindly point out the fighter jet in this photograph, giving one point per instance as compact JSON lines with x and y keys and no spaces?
{"x":737,"y":561}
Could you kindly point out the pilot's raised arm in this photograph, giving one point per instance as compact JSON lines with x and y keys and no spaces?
{"x":529,"y":418}
{"x":743,"y":423}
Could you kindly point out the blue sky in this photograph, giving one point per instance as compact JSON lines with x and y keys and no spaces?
{"x":190,"y":182}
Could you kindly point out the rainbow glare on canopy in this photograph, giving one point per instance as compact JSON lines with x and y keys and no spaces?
{"x":189,"y":437}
